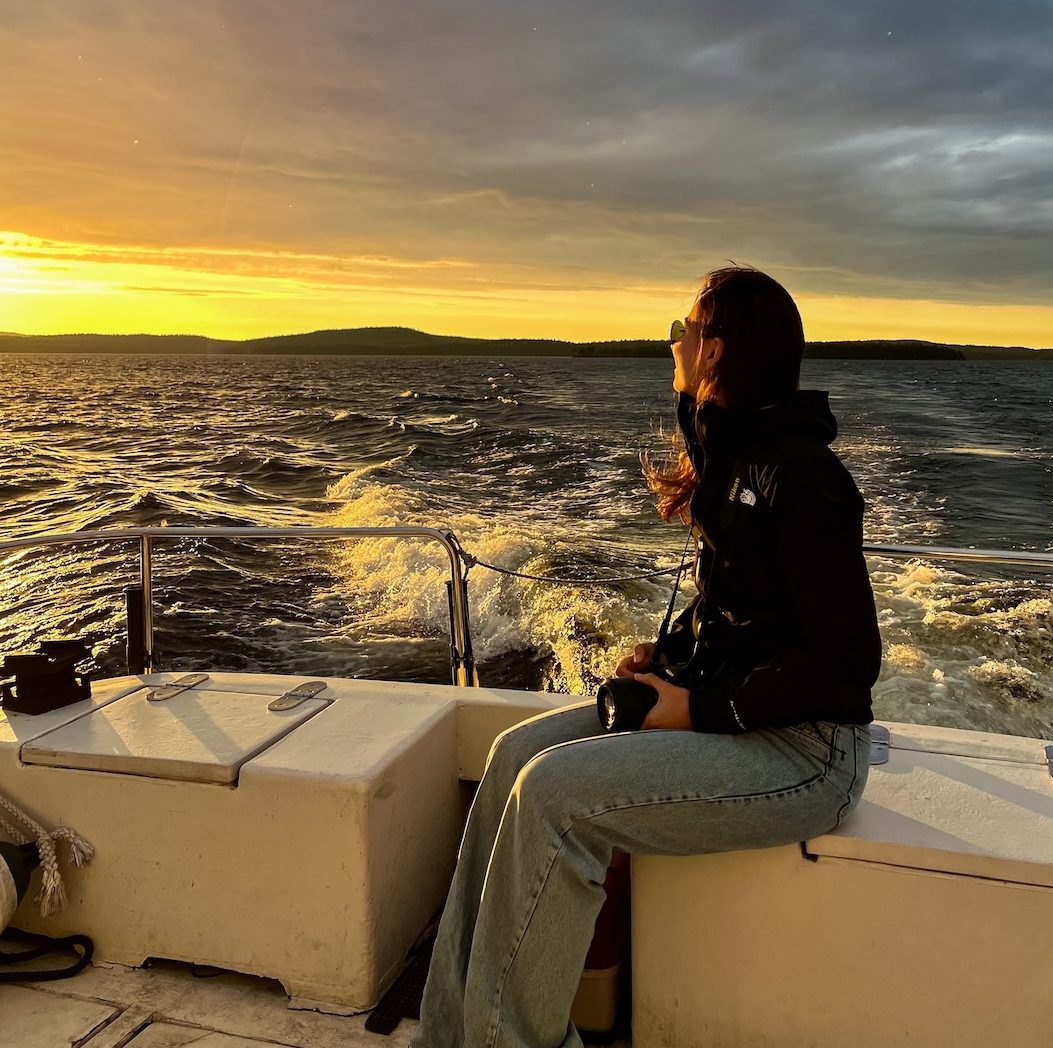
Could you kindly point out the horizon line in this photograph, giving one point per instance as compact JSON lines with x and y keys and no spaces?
{"x":479,"y":338}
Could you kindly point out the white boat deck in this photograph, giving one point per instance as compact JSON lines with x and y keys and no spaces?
{"x":166,"y":1006}
{"x":279,"y":836}
{"x":313,"y":844}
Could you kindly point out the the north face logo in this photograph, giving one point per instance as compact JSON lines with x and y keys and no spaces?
{"x":747,"y":497}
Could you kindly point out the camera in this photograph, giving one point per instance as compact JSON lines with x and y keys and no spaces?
{"x":623,"y":702}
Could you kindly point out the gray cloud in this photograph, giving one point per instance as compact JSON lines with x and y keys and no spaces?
{"x":887,"y":148}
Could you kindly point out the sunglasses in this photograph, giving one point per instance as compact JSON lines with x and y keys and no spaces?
{"x":677,"y":330}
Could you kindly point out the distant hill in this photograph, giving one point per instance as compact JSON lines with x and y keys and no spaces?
{"x":915,"y":349}
{"x":398,"y":341}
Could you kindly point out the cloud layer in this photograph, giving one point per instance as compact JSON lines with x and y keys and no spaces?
{"x":889,"y":149}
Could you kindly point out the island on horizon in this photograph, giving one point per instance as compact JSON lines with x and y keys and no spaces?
{"x":399,"y":341}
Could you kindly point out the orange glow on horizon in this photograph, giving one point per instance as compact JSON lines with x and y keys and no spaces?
{"x":54,"y":287}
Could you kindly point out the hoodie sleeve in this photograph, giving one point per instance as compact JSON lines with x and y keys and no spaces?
{"x":817,"y":516}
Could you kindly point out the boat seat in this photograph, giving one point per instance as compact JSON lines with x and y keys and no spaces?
{"x":925,"y":919}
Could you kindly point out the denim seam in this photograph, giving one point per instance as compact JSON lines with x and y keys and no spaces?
{"x":731,"y":798}
{"x":800,"y":741}
{"x":851,"y":785}
{"x":815,"y":736}
{"x":818,"y":736}
{"x":495,"y":1023}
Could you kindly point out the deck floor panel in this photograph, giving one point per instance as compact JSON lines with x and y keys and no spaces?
{"x":166,"y":1006}
{"x":169,"y":1035}
{"x":34,"y":1018}
{"x":231,"y":1005}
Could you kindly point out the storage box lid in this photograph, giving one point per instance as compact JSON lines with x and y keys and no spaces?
{"x":202,"y":734}
{"x":954,"y":801}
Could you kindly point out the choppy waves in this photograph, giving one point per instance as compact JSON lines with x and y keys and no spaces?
{"x":964,"y":649}
{"x":534,"y":464}
{"x":567,"y":635}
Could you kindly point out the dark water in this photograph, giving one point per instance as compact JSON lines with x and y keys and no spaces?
{"x":534,"y":463}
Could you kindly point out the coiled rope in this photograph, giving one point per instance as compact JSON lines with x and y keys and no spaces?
{"x":52,"y":895}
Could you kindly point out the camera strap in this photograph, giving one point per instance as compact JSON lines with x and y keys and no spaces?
{"x":664,"y":628}
{"x":726,"y":518}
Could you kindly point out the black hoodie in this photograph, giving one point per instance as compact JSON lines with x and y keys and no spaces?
{"x":788,"y":632}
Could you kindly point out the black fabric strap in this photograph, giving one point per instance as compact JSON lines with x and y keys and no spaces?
{"x":45,"y":946}
{"x":663,"y":630}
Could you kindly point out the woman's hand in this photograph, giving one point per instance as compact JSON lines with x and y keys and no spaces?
{"x":639,"y":660}
{"x":671,"y":711}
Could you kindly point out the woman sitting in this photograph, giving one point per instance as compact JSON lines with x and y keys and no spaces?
{"x":758,"y":736}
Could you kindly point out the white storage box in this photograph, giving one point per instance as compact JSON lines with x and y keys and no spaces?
{"x":925,"y":920}
{"x":310,"y":845}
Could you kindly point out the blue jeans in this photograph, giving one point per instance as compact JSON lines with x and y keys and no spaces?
{"x":556,"y":798}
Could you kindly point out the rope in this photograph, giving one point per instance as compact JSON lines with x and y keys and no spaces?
{"x":470,"y":561}
{"x":52,"y":896}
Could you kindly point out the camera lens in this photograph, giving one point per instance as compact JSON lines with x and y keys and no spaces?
{"x":622,"y":703}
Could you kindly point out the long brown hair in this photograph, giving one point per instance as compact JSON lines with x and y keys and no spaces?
{"x":761,"y":364}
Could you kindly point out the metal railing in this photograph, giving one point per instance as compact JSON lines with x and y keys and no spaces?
{"x":462,"y":661}
{"x":1003,"y":557}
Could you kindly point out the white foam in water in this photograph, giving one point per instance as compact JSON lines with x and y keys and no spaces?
{"x":580,"y":631}
{"x":347,"y":484}
{"x":962,"y":651}
{"x":958,"y":651}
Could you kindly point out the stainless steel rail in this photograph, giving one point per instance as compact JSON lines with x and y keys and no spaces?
{"x":461,"y":657}
{"x":1007,"y":558}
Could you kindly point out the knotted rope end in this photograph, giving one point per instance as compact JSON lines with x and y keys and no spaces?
{"x":52,"y":895}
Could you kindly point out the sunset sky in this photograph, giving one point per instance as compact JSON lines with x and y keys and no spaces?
{"x":567,"y":169}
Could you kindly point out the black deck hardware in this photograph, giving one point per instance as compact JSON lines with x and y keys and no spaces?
{"x":402,"y":1001}
{"x":46,"y":679}
{"x":135,"y":644}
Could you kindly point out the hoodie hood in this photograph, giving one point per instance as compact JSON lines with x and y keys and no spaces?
{"x":804,"y":414}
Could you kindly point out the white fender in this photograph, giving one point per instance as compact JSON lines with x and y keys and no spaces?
{"x":16,"y":864}
{"x":8,"y":895}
